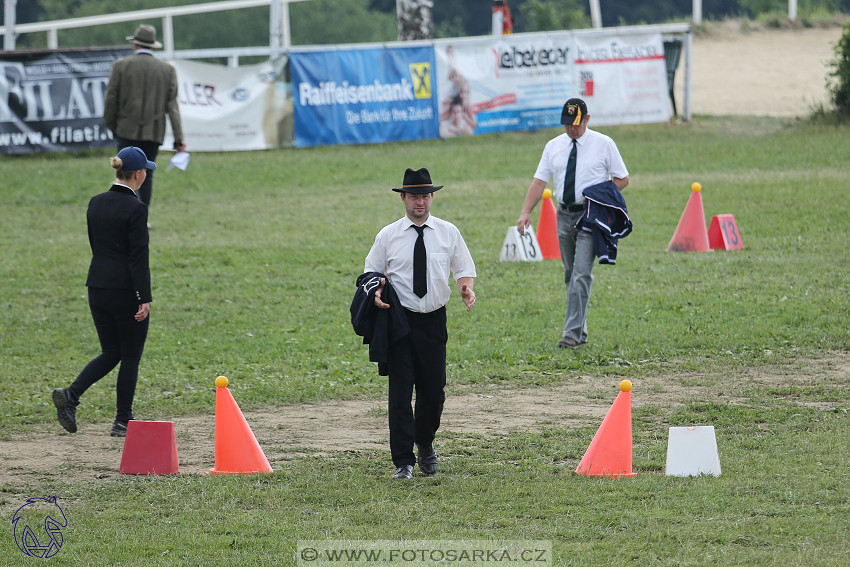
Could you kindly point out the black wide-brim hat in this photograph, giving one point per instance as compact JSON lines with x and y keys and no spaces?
{"x":418,"y":182}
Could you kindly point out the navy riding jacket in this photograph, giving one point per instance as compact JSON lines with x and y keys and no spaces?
{"x":606,"y":218}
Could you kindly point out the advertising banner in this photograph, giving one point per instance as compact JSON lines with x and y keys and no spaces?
{"x":229,"y":109}
{"x":53,"y":101}
{"x":622,"y":78}
{"x":363,"y":96}
{"x":520,"y":82}
{"x":516,"y":82}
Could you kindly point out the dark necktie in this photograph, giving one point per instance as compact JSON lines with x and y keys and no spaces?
{"x":570,"y":178}
{"x":420,"y":266}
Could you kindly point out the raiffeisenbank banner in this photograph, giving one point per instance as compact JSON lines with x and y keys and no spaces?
{"x":226,"y":109}
{"x":520,"y":82}
{"x":363,"y":96}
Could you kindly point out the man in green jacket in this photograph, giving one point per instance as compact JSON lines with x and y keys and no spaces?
{"x":141,"y":91}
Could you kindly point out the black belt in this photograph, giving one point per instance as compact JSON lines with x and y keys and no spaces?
{"x":574,"y":208}
{"x":435,"y":312}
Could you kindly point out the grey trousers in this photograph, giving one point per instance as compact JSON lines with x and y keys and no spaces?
{"x":578,"y":256}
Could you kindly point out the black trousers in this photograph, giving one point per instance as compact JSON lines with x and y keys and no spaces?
{"x":151,"y":150}
{"x":418,"y":362}
{"x":122,"y":339}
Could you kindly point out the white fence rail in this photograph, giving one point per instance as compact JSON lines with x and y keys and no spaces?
{"x":279,"y":33}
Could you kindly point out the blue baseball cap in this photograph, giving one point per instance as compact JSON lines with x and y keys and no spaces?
{"x":135,"y":159}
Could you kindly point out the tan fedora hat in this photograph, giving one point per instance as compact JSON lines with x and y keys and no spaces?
{"x":145,"y":36}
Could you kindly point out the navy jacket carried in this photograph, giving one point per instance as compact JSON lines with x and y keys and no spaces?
{"x":378,"y":327}
{"x":606,"y":218}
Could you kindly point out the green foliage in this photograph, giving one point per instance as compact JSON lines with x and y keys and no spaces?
{"x":756,"y":7}
{"x":351,"y":22}
{"x":103,"y":35}
{"x":543,"y":15}
{"x":340,"y":21}
{"x":838,"y":82}
{"x":357,"y":21}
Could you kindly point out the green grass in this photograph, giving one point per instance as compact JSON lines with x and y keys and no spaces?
{"x":254,"y":256}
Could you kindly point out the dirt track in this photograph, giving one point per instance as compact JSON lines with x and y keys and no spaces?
{"x":49,"y":453}
{"x":777,"y":72}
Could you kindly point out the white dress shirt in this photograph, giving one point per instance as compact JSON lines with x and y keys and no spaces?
{"x":597,"y":160}
{"x":446,"y":251}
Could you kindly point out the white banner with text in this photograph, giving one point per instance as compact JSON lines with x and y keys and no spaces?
{"x":229,"y":109}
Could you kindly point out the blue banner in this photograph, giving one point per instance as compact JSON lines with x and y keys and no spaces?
{"x":364,"y":96}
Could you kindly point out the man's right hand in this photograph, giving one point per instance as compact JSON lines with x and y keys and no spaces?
{"x":378,"y":301}
{"x":532,"y":197}
{"x":523,"y":222}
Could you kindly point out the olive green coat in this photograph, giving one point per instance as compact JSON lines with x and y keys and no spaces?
{"x":142,"y":90}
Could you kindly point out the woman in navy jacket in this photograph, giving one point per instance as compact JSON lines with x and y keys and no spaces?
{"x":119,"y":285}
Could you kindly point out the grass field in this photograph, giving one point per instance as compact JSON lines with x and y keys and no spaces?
{"x":254,"y":256}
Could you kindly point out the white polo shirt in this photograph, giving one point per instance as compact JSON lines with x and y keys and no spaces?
{"x":597,"y":160}
{"x":446,"y":251}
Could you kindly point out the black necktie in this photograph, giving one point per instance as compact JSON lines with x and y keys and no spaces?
{"x":420,"y":265}
{"x":570,"y":178}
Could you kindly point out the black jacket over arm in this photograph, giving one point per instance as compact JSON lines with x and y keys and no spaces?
{"x":378,"y":327}
{"x":118,"y":235}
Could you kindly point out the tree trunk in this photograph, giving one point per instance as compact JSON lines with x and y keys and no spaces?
{"x":414,"y":19}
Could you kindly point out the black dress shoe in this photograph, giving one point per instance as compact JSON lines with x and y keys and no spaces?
{"x":428,"y":460}
{"x":403,"y":472}
{"x":119,"y":429}
{"x":66,"y":410}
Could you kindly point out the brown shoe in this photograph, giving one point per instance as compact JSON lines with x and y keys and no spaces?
{"x":567,"y":342}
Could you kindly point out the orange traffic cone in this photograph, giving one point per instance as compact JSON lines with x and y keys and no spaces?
{"x":610,"y":452}
{"x":691,"y":234}
{"x":547,"y":231}
{"x":236,"y":448}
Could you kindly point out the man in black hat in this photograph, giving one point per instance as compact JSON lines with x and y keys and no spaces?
{"x":415,"y":255}
{"x":577,"y":159}
{"x":142,"y":90}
